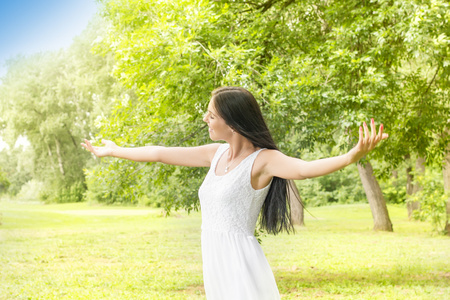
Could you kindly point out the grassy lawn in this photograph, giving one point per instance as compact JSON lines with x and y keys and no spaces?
{"x":81,"y":251}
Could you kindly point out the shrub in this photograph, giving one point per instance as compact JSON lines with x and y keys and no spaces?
{"x":4,"y":182}
{"x":31,"y":191}
{"x":64,"y":194}
{"x":432,"y":199}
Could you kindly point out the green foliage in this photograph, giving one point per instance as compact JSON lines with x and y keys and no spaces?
{"x":432,"y":199}
{"x":113,"y":189}
{"x":181,"y":51}
{"x":341,"y":187}
{"x":52,"y":99}
{"x":421,"y":106}
{"x":4,"y":182}
{"x":318,"y":70}
{"x":31,"y":191}
{"x":17,"y":165}
{"x":394,"y":189}
{"x":63,"y":194}
{"x":172,"y":76}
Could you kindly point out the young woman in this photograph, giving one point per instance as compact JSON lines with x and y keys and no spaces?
{"x":248,"y":175}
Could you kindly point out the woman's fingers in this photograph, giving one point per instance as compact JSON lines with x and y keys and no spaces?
{"x":370,"y":139}
{"x":85,"y":144}
{"x":88,"y":146}
{"x":361,"y":135}
{"x":380,"y":132}
{"x":99,"y":151}
{"x":366,"y":133}
{"x":373,"y":130}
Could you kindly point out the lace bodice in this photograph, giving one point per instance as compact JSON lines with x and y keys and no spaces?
{"x":229,"y":203}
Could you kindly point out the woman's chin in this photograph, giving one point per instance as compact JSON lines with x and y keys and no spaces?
{"x":211,"y":136}
{"x":214,"y":137}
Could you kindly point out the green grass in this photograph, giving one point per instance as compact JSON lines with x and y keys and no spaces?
{"x":80,"y":251}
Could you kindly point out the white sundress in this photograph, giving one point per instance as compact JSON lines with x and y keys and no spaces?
{"x":234,"y":265}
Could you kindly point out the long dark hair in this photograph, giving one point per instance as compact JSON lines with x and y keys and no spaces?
{"x":241,"y":112}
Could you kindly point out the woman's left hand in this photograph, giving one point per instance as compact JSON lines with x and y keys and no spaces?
{"x":367,"y":140}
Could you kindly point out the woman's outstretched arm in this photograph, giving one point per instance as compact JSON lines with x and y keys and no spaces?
{"x":181,"y":156}
{"x":275,"y":163}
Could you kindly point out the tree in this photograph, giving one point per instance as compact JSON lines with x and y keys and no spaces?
{"x":306,"y":62}
{"x":177,"y":58}
{"x":375,"y":197}
{"x":414,"y":187}
{"x":16,"y":165}
{"x":368,"y":53}
{"x":421,"y":111}
{"x":52,"y":99}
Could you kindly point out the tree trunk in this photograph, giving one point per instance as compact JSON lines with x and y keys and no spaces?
{"x":394,"y":178}
{"x":297,"y":212}
{"x":50,"y":154}
{"x":412,"y":188}
{"x":58,"y":154}
{"x":409,"y":181}
{"x":446,"y":173}
{"x":377,"y":203}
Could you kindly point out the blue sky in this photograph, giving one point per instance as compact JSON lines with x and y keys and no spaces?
{"x":31,"y":26}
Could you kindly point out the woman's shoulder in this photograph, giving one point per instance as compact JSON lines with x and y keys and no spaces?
{"x":212,"y":149}
{"x":260,"y":176}
{"x":264,"y":157}
{"x":215,"y":147}
{"x":269,"y":153}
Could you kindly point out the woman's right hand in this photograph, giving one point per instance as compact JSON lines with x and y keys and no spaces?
{"x":107,"y":150}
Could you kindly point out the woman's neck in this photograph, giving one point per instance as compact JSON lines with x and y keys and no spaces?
{"x":240,"y":146}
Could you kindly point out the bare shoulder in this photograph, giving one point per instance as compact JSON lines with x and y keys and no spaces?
{"x":261,"y":175}
{"x":211,"y":149}
{"x":264,"y":158}
{"x":269,"y":154}
{"x":205,"y":152}
{"x":275,"y":163}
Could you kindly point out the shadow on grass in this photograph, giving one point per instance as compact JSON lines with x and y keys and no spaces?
{"x":195,"y":291}
{"x":321,"y":282}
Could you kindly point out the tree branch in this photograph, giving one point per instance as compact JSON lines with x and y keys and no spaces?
{"x":432,"y":80}
{"x":193,"y":134}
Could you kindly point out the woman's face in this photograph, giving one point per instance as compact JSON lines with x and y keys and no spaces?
{"x":218,"y":129}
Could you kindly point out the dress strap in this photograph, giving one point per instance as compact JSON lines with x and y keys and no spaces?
{"x":249,"y":160}
{"x":222,"y":148}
